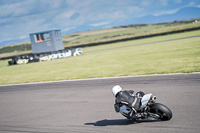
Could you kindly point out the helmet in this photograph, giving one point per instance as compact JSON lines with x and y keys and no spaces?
{"x":116,"y":89}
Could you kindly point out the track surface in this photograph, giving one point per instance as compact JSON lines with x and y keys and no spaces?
{"x":87,"y":106}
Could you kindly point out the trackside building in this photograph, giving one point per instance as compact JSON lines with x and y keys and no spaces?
{"x":46,"y":45}
{"x":46,"y":41}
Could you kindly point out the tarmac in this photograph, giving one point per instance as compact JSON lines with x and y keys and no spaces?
{"x":86,"y":106}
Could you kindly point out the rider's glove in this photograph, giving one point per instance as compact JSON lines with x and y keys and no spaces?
{"x":117,"y":107}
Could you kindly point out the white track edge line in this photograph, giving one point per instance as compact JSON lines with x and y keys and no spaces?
{"x":74,"y":80}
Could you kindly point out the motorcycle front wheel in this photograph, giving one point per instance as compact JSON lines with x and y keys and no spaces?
{"x":163,"y":111}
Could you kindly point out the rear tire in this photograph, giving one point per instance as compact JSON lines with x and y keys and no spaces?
{"x":163,"y":111}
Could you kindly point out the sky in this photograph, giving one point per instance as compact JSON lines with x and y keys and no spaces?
{"x":19,"y":18}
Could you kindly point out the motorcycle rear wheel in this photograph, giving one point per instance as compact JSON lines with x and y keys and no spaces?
{"x":163,"y":111}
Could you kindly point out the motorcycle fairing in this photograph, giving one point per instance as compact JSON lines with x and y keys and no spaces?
{"x":145,"y":100}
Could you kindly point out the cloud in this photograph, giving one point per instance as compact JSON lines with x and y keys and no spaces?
{"x":74,"y":16}
{"x":150,"y":3}
{"x":18,"y":18}
{"x":22,"y":37}
{"x":12,"y":10}
{"x":68,"y":29}
{"x":163,"y":2}
{"x":29,"y":7}
{"x":100,"y":24}
{"x":166,"y":12}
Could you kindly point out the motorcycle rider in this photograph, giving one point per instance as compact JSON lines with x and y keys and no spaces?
{"x":127,"y":103}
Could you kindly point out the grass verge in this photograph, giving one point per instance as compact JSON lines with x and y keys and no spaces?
{"x":178,"y":56}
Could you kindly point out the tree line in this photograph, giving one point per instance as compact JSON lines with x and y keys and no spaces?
{"x":9,"y":49}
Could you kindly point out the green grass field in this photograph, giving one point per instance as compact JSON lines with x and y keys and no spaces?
{"x":179,"y":56}
{"x":123,"y":32}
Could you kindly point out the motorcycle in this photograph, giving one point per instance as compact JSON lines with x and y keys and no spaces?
{"x":153,"y":109}
{"x":150,"y":109}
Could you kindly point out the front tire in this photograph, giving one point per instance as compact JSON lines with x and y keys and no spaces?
{"x":163,"y":111}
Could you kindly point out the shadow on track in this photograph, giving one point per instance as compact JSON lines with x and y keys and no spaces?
{"x":106,"y":122}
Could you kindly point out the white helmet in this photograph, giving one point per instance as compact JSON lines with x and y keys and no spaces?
{"x":116,"y":89}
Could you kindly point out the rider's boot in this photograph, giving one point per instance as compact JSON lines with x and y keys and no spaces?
{"x":134,"y":116}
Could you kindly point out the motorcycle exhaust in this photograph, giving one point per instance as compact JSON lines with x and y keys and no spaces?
{"x":156,"y":116}
{"x":154,"y":98}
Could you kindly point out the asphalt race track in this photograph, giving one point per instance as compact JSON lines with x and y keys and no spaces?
{"x":87,"y":105}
